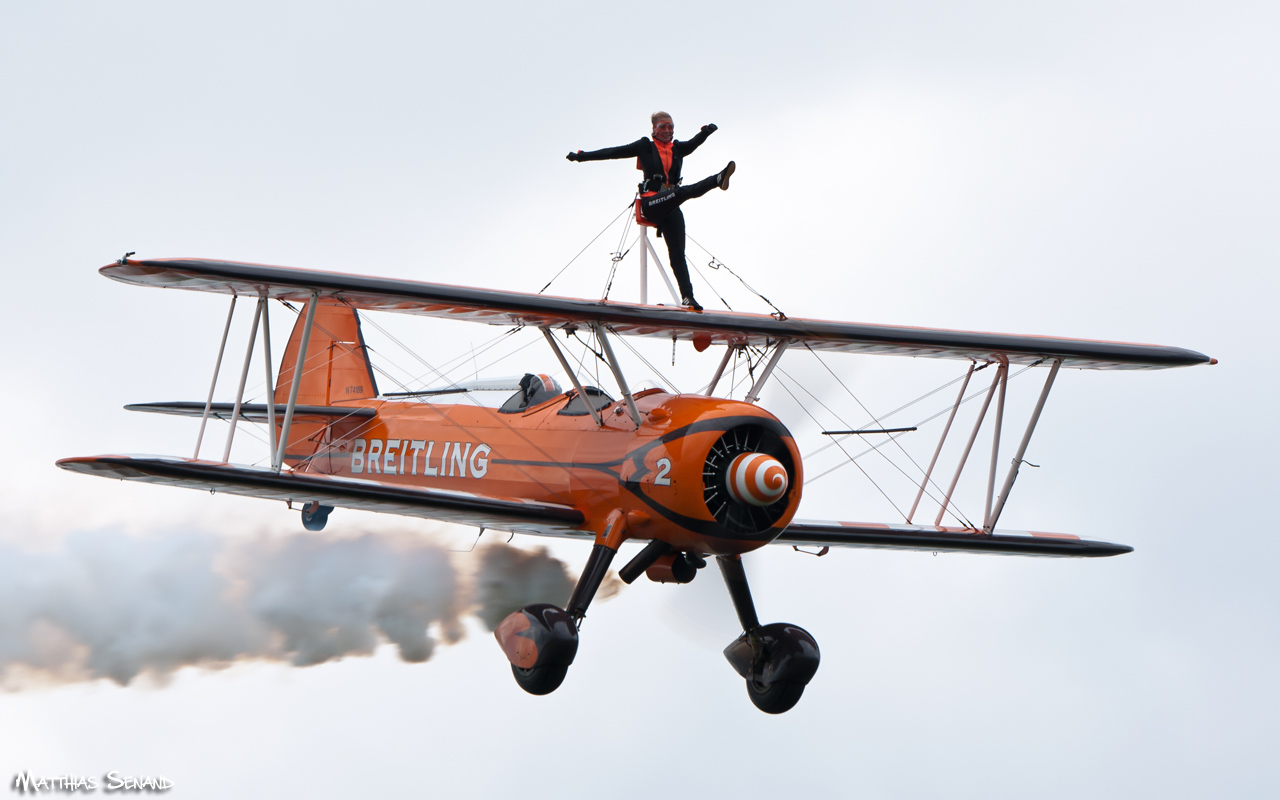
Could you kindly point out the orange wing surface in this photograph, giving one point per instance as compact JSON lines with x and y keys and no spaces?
{"x":720,"y":327}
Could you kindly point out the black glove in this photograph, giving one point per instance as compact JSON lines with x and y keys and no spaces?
{"x":710,"y":128}
{"x":573,"y":156}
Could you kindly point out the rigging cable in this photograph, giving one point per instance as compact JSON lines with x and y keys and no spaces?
{"x":855,"y":463}
{"x":669,"y":383}
{"x":629,"y":206}
{"x":907,"y":405}
{"x":878,"y":451}
{"x":617,"y":255}
{"x":922,"y":422}
{"x":716,"y":263}
{"x":861,"y":405}
{"x":616,"y":258}
{"x":879,"y":421}
{"x":708,"y":283}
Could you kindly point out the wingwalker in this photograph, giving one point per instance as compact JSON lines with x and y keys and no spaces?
{"x":693,"y":476}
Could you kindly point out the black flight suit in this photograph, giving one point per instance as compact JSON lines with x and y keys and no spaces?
{"x":663,"y":208}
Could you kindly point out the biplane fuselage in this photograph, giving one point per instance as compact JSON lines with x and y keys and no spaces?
{"x":652,"y":473}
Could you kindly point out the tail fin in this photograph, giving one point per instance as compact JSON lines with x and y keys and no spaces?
{"x":337,"y":366}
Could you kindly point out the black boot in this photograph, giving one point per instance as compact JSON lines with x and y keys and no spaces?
{"x":723,"y":182}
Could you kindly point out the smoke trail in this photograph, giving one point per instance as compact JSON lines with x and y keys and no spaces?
{"x":509,"y":578}
{"x":113,"y":606}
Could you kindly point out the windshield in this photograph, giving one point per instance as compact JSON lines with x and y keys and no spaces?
{"x":577,"y":408}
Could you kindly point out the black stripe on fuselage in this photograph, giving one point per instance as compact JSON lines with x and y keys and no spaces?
{"x":637,"y":456}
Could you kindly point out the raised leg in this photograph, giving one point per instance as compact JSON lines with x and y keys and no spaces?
{"x":697,"y":189}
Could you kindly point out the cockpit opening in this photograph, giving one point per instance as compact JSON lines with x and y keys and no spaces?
{"x":534,"y":391}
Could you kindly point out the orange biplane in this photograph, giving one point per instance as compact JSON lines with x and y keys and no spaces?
{"x":692,"y":475}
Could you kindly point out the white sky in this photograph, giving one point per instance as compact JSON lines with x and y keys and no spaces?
{"x":1103,"y":170}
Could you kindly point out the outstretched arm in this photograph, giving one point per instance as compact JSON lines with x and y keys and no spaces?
{"x":685,"y":148}
{"x":622,"y":151}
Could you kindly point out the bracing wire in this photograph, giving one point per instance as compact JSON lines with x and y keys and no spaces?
{"x":710,"y":285}
{"x":616,"y":258}
{"x":716,"y":263}
{"x":629,"y":206}
{"x":855,"y":463}
{"x":861,"y":405}
{"x":908,"y":404}
{"x":921,"y":423}
{"x":670,"y":384}
{"x":844,"y":422}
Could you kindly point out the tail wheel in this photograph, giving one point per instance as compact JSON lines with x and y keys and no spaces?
{"x":774,"y":698}
{"x":734,"y":515}
{"x":545,"y":680}
{"x":315,"y":516}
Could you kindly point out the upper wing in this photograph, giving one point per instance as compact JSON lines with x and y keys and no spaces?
{"x":464,"y":508}
{"x":957,"y":540}
{"x":516,"y":308}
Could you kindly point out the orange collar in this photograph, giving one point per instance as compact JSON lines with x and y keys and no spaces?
{"x":664,"y":152}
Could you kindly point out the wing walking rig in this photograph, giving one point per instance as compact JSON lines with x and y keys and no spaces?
{"x":693,"y":475}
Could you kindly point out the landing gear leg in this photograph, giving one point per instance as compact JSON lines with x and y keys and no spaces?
{"x":735,"y":577}
{"x":541,"y":640}
{"x":777,"y":660}
{"x":589,"y":583}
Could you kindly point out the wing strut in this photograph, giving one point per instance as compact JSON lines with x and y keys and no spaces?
{"x":946,"y":500}
{"x":217,"y":367}
{"x":729,"y":353}
{"x":779,"y":349}
{"x":244,"y":376}
{"x":298,"y":367}
{"x":1002,"y":373}
{"x":617,"y":373}
{"x":1022,"y":447}
{"x":973,"y":365}
{"x":573,"y":376}
{"x":271,"y":389}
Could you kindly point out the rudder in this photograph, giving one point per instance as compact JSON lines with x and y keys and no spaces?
{"x":337,"y":366}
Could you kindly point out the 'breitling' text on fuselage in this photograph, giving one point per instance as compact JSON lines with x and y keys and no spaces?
{"x":424,"y":457}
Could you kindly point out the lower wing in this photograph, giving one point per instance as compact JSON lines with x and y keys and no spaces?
{"x":935,"y":539}
{"x":464,"y":508}
{"x":548,"y":519}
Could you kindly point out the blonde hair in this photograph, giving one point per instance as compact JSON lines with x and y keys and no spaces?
{"x":657,"y":115}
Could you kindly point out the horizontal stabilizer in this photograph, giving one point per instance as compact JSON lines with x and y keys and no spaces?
{"x":509,"y":384}
{"x":463,"y":508}
{"x":255,"y":412}
{"x":952,"y":540}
